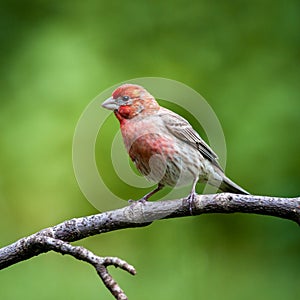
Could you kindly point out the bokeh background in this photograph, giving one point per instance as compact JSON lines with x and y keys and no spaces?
{"x":242,"y":56}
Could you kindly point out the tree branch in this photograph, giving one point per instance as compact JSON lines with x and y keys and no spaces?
{"x":138,"y":214}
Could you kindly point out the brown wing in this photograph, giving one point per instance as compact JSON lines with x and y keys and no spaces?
{"x":183,"y":130}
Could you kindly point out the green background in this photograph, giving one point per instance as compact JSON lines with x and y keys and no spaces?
{"x":242,"y":56}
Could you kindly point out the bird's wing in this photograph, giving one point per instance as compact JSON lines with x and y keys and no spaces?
{"x":183,"y":130}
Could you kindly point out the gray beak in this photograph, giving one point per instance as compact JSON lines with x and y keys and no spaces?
{"x":110,"y":104}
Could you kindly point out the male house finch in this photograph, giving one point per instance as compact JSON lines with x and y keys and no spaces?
{"x":163,"y":146}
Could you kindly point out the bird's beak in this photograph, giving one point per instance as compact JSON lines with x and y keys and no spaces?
{"x":110,"y":104}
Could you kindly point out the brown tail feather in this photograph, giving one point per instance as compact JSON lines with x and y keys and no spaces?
{"x":229,"y":186}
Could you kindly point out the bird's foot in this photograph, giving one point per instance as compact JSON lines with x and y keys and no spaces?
{"x":191,"y":201}
{"x":142,"y":200}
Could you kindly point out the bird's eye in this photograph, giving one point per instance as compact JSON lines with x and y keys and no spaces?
{"x":125,"y":98}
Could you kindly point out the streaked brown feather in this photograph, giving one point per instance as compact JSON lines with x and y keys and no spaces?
{"x":183,"y":130}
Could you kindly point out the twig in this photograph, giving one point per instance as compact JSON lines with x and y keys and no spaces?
{"x":100,"y":263}
{"x":138,"y":214}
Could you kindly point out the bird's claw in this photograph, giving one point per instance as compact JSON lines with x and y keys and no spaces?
{"x":143,"y":200}
{"x":133,"y":202}
{"x":191,"y":201}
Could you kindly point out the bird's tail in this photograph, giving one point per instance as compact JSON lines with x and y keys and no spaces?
{"x":229,"y":186}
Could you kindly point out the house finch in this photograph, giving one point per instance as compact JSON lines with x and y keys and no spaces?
{"x":163,"y":146}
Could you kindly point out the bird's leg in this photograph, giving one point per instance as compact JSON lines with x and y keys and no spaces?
{"x":147,"y":196}
{"x":192,"y":196}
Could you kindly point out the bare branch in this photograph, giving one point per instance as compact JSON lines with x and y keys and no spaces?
{"x":138,"y":214}
{"x":100,"y":263}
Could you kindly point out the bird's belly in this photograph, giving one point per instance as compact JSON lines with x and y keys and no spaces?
{"x":160,"y":159}
{"x":150,"y":152}
{"x":184,"y":167}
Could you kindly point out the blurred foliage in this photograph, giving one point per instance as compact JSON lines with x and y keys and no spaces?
{"x":242,"y":56}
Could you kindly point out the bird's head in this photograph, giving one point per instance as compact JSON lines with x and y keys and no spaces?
{"x":130,"y":100}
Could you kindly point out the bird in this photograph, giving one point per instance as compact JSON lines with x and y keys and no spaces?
{"x":163,"y":145}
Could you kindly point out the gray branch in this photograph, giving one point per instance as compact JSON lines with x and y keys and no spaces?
{"x":138,"y":214}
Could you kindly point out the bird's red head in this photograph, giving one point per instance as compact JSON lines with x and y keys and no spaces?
{"x":130,"y":100}
{"x":130,"y":90}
